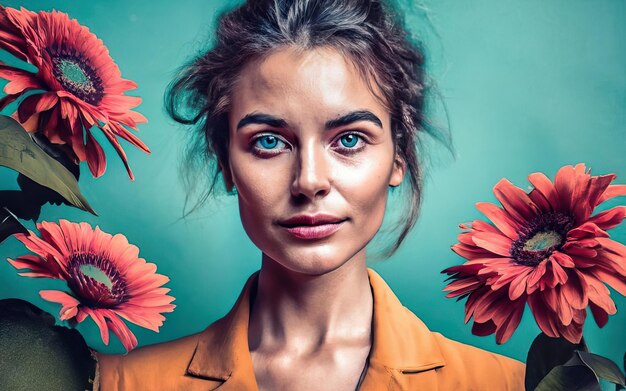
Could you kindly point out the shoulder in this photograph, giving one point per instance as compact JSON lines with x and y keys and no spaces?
{"x":472,"y":368}
{"x":166,"y":362}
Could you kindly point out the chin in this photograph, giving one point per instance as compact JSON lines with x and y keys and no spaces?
{"x":313,"y":261}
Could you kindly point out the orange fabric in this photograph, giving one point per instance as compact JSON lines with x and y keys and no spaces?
{"x":405,"y":355}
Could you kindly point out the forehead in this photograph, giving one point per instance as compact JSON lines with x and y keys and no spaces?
{"x":321,"y":82}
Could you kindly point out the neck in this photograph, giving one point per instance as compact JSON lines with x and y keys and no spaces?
{"x":309,"y":312}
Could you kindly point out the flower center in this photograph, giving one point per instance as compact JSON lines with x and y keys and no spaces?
{"x":95,"y":280}
{"x":540,"y":238}
{"x":96,"y":274}
{"x":543,"y":241}
{"x":76,"y":75}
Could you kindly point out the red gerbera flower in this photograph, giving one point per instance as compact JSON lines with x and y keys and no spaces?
{"x":546,"y":249}
{"x":77,"y":85}
{"x":106,"y":277}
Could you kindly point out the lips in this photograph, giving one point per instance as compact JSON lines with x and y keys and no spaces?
{"x":312,"y":226}
{"x":318,"y":219}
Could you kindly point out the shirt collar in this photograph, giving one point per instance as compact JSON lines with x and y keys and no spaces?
{"x":222,"y":351}
{"x":401,"y":341}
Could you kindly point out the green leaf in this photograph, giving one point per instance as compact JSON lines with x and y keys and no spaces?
{"x":37,"y":355}
{"x":602,"y":367}
{"x":19,"y":152}
{"x":546,"y":353}
{"x":567,"y":378}
{"x":583,"y":371}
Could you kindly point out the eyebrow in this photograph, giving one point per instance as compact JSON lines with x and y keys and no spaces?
{"x":276,"y":122}
{"x":262,"y":119}
{"x":354,"y":116}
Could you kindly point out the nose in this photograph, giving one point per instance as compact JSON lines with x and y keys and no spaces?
{"x":311,"y":177}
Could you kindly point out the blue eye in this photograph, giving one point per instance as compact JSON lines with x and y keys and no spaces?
{"x":267,"y":142}
{"x":349,"y":140}
{"x":268,"y":145}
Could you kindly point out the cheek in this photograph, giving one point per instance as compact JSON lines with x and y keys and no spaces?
{"x":366,"y":182}
{"x":258,"y":196}
{"x":262,"y":188}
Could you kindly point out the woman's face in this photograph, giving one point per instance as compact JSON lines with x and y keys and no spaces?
{"x":311,"y":156}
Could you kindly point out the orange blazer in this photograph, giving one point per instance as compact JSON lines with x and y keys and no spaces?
{"x":405,"y":355}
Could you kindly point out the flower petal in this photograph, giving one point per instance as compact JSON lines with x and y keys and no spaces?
{"x":462,"y":286}
{"x":38,"y":266}
{"x":35,"y":104}
{"x":141,"y":317}
{"x":128,"y":136}
{"x":69,"y":303}
{"x":599,"y":294}
{"x":577,"y":249}
{"x":496,"y":243}
{"x":599,"y":315}
{"x":98,"y":318}
{"x":609,"y":218}
{"x":563,"y":259}
{"x":95,"y":156}
{"x":575,"y":291}
{"x":564,"y":310}
{"x":543,"y":316}
{"x":540,"y":200}
{"x":39,"y":247}
{"x":574,"y":331}
{"x":543,"y":184}
{"x":19,"y":80}
{"x":81,"y":316}
{"x":515,"y":201}
{"x":500,"y":218}
{"x":518,"y":285}
{"x":616,"y":282}
{"x":535,"y":276}
{"x":555,"y":275}
{"x":506,"y":329}
{"x":470,"y":252}
{"x":565,"y":185}
{"x":483,"y":329}
{"x":118,"y":148}
{"x":586,"y":230}
{"x":611,"y":192}
{"x":599,"y":187}
{"x":122,"y":331}
{"x":59,"y":297}
{"x":615,"y":254}
{"x":490,"y":305}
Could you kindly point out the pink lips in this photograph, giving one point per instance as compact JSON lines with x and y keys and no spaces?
{"x":312,"y":226}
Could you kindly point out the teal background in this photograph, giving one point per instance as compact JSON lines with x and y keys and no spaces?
{"x":527,"y":86}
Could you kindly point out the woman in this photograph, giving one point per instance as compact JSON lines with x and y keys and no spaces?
{"x":311,"y":109}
